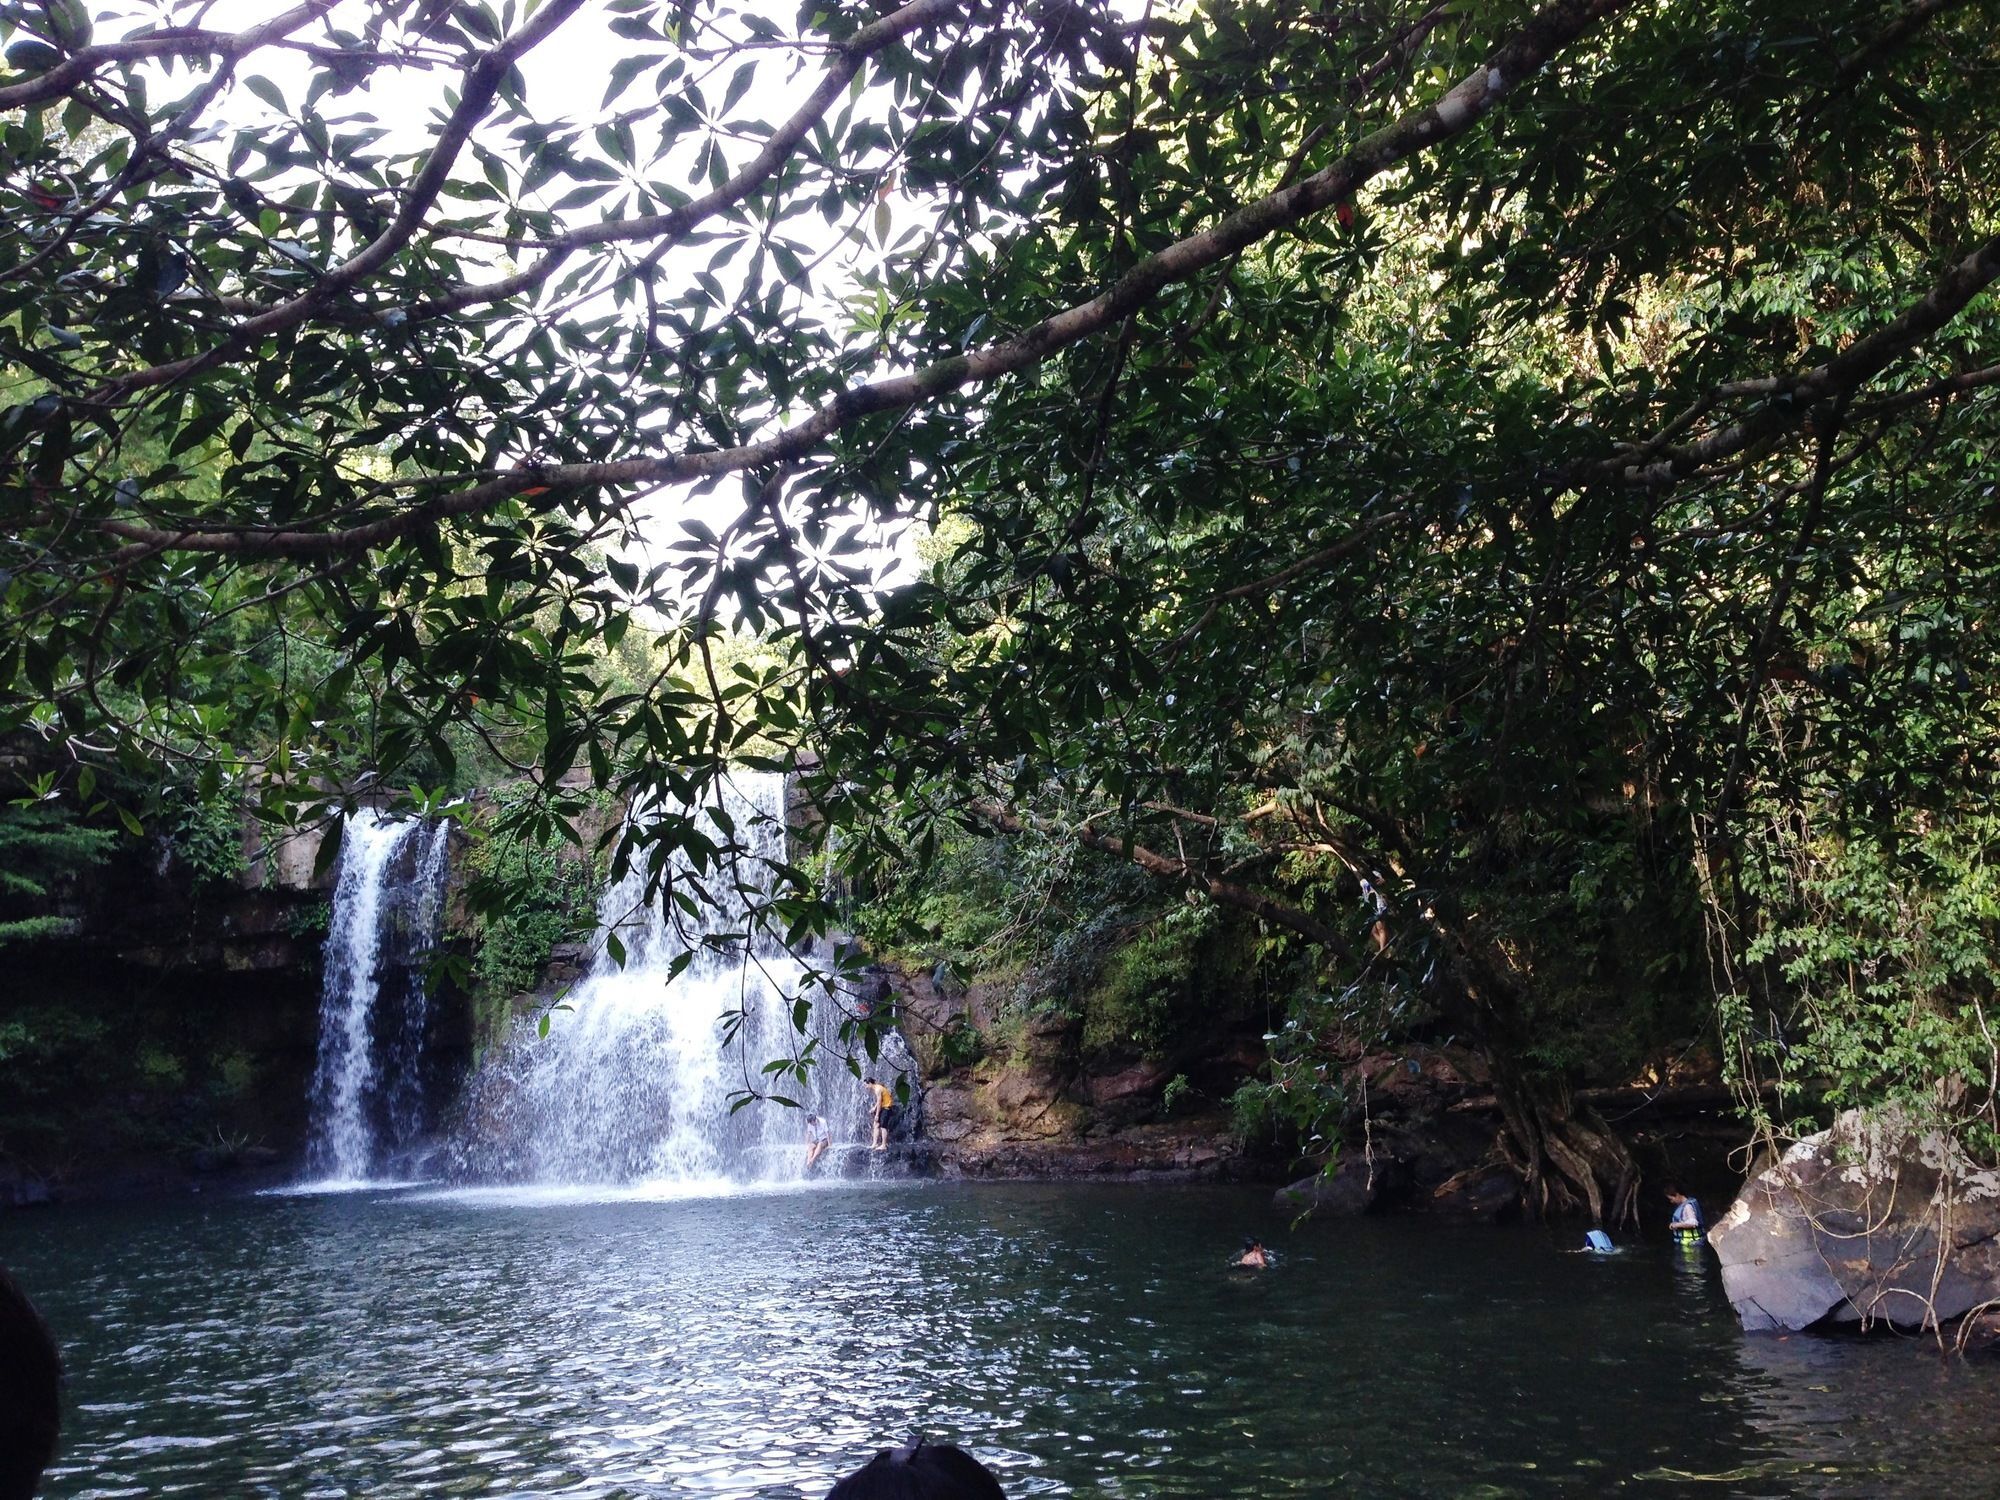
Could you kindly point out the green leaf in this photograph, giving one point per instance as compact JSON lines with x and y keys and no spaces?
{"x":623,"y":71}
{"x":268,"y":91}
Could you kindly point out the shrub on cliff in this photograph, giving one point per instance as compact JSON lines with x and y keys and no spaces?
{"x":43,"y":849}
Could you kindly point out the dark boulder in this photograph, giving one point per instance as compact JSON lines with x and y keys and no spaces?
{"x":1486,"y":1193}
{"x":1873,"y":1220}
{"x":1355,"y":1186}
{"x":25,"y":1191}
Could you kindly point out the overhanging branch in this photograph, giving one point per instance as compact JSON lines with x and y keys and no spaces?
{"x":1787,"y":399}
{"x":65,"y":77}
{"x":1452,"y":115}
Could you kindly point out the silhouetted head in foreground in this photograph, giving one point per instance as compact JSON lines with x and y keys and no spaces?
{"x":922,"y":1471}
{"x":30,"y":1393}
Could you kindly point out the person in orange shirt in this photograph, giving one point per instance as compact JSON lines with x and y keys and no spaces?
{"x":884,"y":1102}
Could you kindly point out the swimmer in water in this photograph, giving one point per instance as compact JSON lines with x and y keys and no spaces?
{"x":1254,"y":1255}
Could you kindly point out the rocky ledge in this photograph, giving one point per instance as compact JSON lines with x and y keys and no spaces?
{"x":1875,"y":1220}
{"x":1145,"y":1153}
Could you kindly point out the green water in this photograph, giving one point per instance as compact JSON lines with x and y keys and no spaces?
{"x":1084,"y":1341}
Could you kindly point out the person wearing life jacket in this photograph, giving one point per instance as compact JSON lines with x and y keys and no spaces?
{"x":1685,"y":1225}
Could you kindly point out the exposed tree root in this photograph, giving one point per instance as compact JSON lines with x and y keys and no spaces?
{"x":1569,"y":1161}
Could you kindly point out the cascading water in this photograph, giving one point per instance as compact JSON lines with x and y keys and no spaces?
{"x":636,"y":1078}
{"x":367,"y":1095}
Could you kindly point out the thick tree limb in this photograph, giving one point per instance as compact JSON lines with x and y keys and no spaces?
{"x":77,"y":69}
{"x":1550,"y":30}
{"x":1398,"y":51}
{"x":1788,"y":398}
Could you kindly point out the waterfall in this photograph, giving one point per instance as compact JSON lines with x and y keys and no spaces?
{"x":388,"y":898}
{"x":637,"y":1074}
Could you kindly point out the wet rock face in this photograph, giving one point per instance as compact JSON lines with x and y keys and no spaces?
{"x":1155,"y":1155}
{"x":1873,"y":1220}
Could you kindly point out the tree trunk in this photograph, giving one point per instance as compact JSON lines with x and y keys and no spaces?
{"x":1569,"y":1161}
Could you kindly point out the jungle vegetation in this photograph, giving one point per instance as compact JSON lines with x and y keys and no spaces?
{"x":1498,"y":498}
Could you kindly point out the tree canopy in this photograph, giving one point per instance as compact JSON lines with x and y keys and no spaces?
{"x":1502,"y":496}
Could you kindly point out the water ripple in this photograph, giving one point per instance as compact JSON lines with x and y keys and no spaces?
{"x":1084,"y":1341}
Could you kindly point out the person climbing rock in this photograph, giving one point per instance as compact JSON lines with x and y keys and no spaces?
{"x":818,"y":1137}
{"x":922,"y":1471}
{"x":30,"y":1393}
{"x":884,"y":1101}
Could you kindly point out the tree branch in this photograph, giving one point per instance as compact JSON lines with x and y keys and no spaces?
{"x":1788,"y":398}
{"x":1781,"y":596}
{"x":79,"y":67}
{"x":1944,"y":388}
{"x":1913,"y":19}
{"x":1463,"y":106}
{"x":1311,"y":562}
{"x":669,"y":228}
{"x":481,"y":83}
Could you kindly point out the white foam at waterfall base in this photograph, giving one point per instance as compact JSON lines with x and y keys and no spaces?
{"x":388,"y":893}
{"x":632,"y":1089}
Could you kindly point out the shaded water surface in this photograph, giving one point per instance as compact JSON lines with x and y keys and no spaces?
{"x":1086,"y":1341}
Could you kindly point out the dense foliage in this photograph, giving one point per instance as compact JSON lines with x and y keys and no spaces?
{"x":1527,"y":468}
{"x":524,"y":898}
{"x":41,"y":850}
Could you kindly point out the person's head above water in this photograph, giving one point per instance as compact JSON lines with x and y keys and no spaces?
{"x":30,"y":1393}
{"x":1251,"y":1242}
{"x":922,"y":1471}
